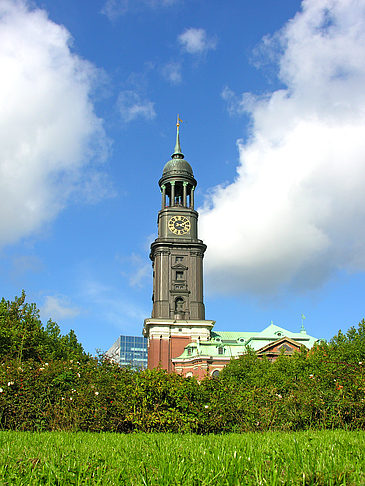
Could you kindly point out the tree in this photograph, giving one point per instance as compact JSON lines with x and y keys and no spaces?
{"x":23,"y":337}
{"x":349,"y":347}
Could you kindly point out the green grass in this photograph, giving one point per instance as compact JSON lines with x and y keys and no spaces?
{"x":273,"y":458}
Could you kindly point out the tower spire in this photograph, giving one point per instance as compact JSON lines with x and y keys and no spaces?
{"x":177,"y":152}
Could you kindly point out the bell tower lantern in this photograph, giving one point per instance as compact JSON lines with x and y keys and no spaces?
{"x":178,"y":313}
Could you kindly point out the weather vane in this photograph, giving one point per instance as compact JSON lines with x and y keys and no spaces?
{"x":178,"y":121}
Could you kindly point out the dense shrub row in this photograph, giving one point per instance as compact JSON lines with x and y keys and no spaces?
{"x":324,"y":388}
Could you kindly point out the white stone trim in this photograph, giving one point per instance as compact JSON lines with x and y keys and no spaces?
{"x":155,"y":328}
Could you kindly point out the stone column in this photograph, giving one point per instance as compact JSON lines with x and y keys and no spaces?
{"x":185,"y":185}
{"x":172,"y":202}
{"x":192,"y":197}
{"x":163,"y":192}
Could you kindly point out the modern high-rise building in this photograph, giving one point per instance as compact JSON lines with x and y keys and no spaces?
{"x":129,"y":351}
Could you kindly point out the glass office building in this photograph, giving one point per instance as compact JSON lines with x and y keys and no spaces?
{"x":129,"y":351}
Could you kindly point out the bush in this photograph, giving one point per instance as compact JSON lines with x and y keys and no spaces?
{"x":47,"y":382}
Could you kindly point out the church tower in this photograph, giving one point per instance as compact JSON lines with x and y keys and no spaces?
{"x":178,"y":314}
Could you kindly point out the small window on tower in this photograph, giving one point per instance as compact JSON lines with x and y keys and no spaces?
{"x":179,"y":275}
{"x":190,"y":351}
{"x":179,"y":259}
{"x":220,"y":350}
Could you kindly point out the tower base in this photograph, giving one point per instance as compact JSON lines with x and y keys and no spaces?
{"x":167,"y":338}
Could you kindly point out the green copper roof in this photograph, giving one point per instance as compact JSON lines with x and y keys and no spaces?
{"x":227,"y":336}
{"x":177,"y":167}
{"x":235,"y":343}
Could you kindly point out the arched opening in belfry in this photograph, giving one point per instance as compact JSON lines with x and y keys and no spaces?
{"x":177,"y":193}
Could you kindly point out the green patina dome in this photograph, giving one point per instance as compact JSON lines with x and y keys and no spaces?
{"x":177,"y":166}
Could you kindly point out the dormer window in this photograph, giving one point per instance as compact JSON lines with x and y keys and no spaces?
{"x":190,"y":351}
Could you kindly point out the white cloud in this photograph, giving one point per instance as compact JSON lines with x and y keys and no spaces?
{"x":135,"y":268}
{"x":113,"y":306}
{"x":196,"y":41}
{"x":115,"y":8}
{"x":132,"y":106}
{"x":295,"y":213}
{"x":48,"y":129}
{"x":141,"y":274}
{"x":58,"y":308}
{"x":140,"y":271}
{"x":172,"y":72}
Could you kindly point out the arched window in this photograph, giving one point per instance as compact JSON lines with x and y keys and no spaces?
{"x":215,"y":374}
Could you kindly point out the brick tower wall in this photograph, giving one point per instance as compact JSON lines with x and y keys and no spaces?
{"x":162,"y":349}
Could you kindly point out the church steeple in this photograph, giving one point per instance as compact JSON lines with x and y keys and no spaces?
{"x":182,"y":271}
{"x":178,"y":312}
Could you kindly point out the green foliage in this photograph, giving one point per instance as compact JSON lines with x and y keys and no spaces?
{"x":23,"y":337}
{"x":349,"y":347}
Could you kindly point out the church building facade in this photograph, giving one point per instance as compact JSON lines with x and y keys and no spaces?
{"x":180,"y":339}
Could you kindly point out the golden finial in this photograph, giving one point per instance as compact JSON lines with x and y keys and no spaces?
{"x":178,"y":121}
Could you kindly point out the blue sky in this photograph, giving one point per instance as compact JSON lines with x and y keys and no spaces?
{"x":273,"y":108}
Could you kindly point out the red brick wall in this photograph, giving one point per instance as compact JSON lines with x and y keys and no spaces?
{"x":178,"y":344}
{"x":162,"y":350}
{"x":158,"y":351}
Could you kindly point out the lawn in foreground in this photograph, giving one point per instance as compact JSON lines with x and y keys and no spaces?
{"x":310,"y":457}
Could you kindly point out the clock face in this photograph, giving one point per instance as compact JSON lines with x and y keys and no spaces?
{"x":180,"y":225}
